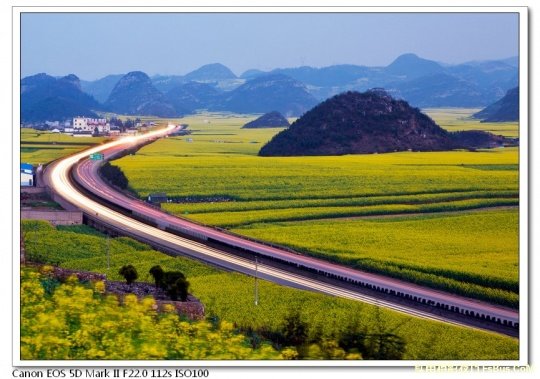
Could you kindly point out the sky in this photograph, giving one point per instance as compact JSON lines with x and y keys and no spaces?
{"x":93,"y":45}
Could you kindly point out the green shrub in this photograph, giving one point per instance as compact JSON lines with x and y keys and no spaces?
{"x":129,"y":273}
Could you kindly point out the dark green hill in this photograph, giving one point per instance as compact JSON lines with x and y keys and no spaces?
{"x":369,"y":122}
{"x":506,"y":109}
{"x":268,"y":120}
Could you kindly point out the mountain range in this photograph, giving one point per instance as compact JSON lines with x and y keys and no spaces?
{"x":292,"y":91}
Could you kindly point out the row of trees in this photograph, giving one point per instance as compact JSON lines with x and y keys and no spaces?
{"x":174,"y":283}
{"x":115,"y":175}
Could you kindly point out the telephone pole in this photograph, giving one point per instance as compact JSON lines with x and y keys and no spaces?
{"x":108,"y":253}
{"x":256,"y":283}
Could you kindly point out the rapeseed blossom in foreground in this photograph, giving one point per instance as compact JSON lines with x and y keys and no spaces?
{"x":72,"y":321}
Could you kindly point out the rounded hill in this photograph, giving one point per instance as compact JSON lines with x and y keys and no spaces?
{"x":268,"y":120}
{"x":359,"y":123}
{"x":372,"y":122}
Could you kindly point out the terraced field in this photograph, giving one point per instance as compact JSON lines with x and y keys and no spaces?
{"x":311,"y":203}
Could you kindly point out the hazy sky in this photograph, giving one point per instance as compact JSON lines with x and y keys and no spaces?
{"x":93,"y":45}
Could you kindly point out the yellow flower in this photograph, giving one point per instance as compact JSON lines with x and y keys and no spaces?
{"x":99,"y":286}
{"x":46,"y":270}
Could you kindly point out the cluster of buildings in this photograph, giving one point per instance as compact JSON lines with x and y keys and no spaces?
{"x":93,"y":127}
{"x":90,"y":127}
{"x":85,"y":126}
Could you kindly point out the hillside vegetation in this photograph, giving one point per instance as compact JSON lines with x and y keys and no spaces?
{"x":371,"y":122}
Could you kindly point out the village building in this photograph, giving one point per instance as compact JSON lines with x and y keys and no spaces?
{"x":28,"y":175}
{"x":85,"y":125}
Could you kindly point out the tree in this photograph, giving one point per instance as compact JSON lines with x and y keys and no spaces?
{"x":181,"y":287}
{"x":176,"y":285}
{"x":158,"y":274}
{"x":129,"y":273}
{"x":294,"y":329}
{"x":384,"y":346}
{"x":114,"y":174}
{"x":381,"y":343}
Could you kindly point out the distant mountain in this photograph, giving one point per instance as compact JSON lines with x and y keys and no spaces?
{"x":267,"y":93}
{"x":191,"y":96}
{"x":438,"y":90}
{"x":512,"y":61}
{"x":134,"y":94}
{"x":45,"y":98}
{"x":421,"y":82}
{"x":268,"y":120}
{"x":506,"y":109}
{"x":210,"y":72}
{"x":337,"y":75}
{"x":491,"y":78}
{"x":165,"y":83}
{"x":252,"y":74}
{"x":369,"y":122}
{"x":100,"y":89}
{"x":412,"y":66}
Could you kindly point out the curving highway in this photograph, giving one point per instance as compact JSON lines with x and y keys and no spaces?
{"x":164,"y":229}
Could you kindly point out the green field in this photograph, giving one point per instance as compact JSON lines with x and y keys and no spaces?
{"x":229,"y":296}
{"x":456,"y":119}
{"x":310,"y":203}
{"x":42,"y":147}
{"x":476,"y":261}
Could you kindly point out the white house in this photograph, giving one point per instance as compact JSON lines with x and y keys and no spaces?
{"x":27,"y":175}
{"x":89,"y":125}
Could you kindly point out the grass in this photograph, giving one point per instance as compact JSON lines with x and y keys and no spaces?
{"x":229,"y":296}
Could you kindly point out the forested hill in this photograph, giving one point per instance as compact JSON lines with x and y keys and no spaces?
{"x":369,"y":122}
